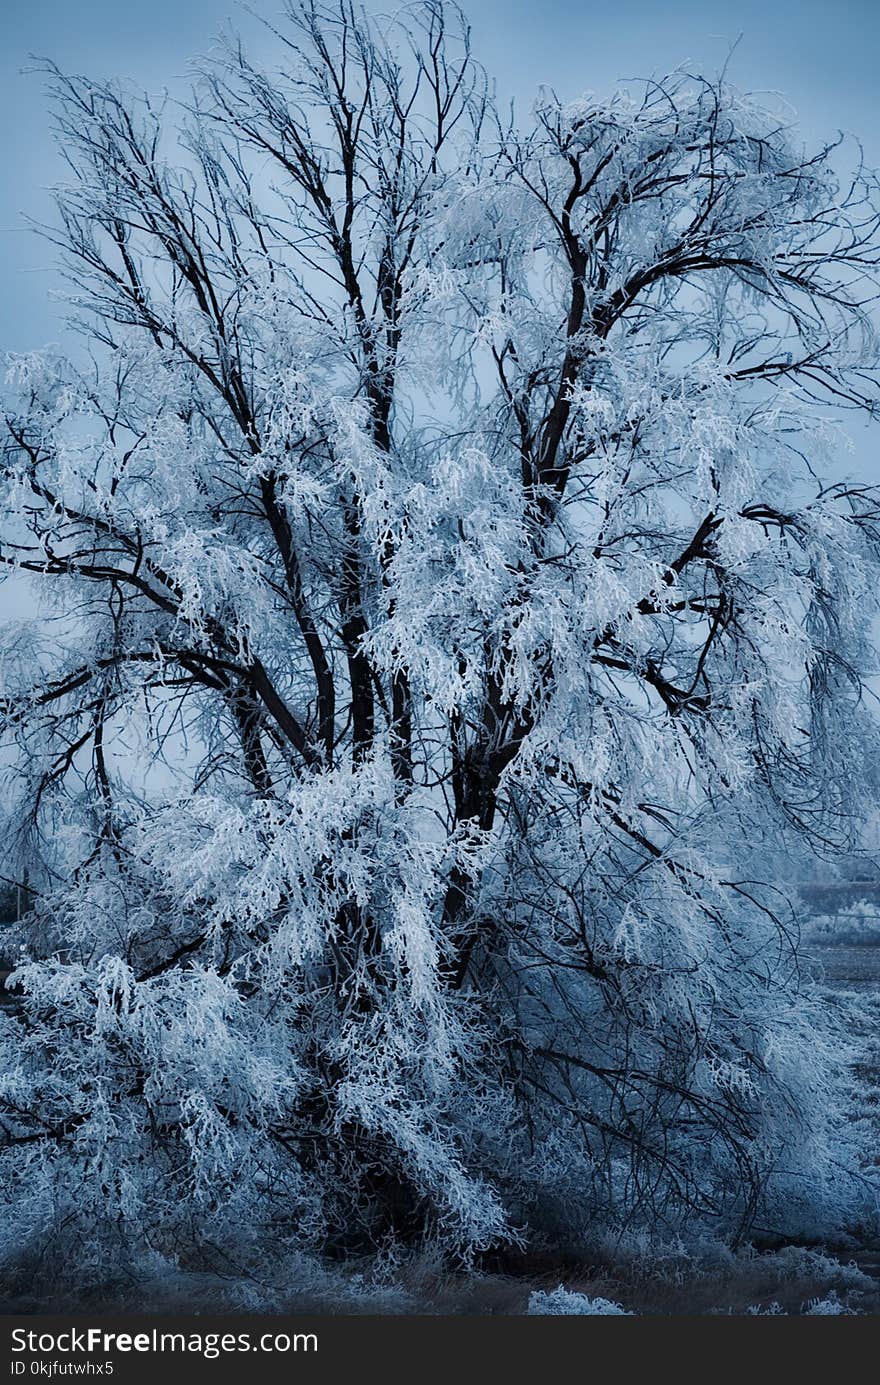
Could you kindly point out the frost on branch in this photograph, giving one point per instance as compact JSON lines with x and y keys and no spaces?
{"x":451,"y":626}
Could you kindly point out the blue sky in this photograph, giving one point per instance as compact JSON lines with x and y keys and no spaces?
{"x":822,"y":57}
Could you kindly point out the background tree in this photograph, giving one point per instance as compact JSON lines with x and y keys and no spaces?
{"x":451,"y":608}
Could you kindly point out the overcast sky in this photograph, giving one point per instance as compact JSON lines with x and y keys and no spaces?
{"x":822,"y":57}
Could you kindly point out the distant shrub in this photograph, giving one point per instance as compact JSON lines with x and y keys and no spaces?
{"x":858,"y":922}
{"x":563,"y":1301}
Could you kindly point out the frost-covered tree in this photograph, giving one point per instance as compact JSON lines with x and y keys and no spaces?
{"x":450,"y":620}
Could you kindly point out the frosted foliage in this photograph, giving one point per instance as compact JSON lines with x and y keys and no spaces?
{"x":563,"y":1301}
{"x":450,"y":628}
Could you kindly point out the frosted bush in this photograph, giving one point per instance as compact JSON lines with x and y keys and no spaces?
{"x":562,"y":1300}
